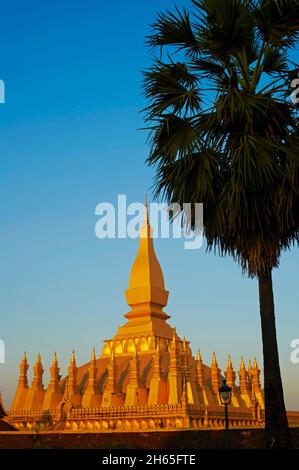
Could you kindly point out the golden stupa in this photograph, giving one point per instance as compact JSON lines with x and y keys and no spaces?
{"x":146,"y":377}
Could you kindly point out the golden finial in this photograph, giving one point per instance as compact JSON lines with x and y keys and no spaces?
{"x":73,"y":359}
{"x":198,"y":357}
{"x":229,"y":362}
{"x":146,"y":218}
{"x":242,"y":365}
{"x":214,"y":360}
{"x":93,"y":356}
{"x":255,"y":366}
{"x":38,"y":359}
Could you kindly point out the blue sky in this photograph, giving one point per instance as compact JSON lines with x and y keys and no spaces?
{"x":69,"y":140}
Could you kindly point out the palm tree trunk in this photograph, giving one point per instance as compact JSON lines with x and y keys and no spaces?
{"x":277,"y":431}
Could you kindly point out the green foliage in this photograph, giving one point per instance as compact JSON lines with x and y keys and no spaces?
{"x":235,"y":148}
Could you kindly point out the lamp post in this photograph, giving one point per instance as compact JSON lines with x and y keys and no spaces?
{"x":225,"y":395}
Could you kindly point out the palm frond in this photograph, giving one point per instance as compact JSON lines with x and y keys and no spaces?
{"x":275,"y":60}
{"x":227,"y":27}
{"x":172,"y":138}
{"x":173,"y":29}
{"x":171,"y":88}
{"x":278,"y":21}
{"x":235,"y":150}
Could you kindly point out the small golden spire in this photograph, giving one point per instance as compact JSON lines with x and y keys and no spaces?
{"x":146,"y":217}
{"x":229,"y":362}
{"x":93,"y":356}
{"x":37,"y":383}
{"x":73,"y":359}
{"x":24,"y":358}
{"x":255,"y":366}
{"x":55,"y":361}
{"x":198,"y":357}
{"x":242,"y":365}
{"x":23,"y":380}
{"x":214,"y":360}
{"x":38,"y":359}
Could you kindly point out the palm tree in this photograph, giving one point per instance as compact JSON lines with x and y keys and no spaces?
{"x":223,"y":131}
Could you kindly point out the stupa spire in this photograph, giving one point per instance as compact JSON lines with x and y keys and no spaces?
{"x":37,"y":382}
{"x":243,"y":377}
{"x":54,"y":375}
{"x":23,"y":380}
{"x":55,"y":361}
{"x":53,"y":395}
{"x":198,"y":357}
{"x":146,"y":218}
{"x":93,"y":356}
{"x":133,"y":384}
{"x":214,"y":360}
{"x":73,"y":359}
{"x":92,"y":373}
{"x":199,"y":369}
{"x":215,"y":374}
{"x":256,"y":386}
{"x":174,"y":371}
{"x":230,"y":374}
{"x":146,"y":293}
{"x":110,"y":385}
{"x":72,"y":377}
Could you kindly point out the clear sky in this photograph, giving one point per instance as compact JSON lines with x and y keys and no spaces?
{"x":69,"y":140}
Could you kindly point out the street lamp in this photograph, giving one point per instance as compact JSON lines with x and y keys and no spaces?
{"x":225,"y":395}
